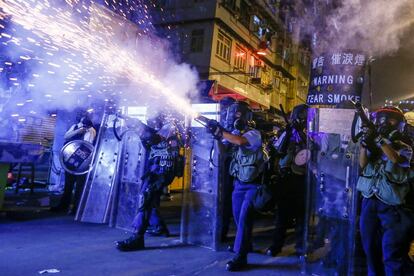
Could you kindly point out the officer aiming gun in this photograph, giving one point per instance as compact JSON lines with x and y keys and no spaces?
{"x":212,"y":125}
{"x":368,"y":127}
{"x":386,"y":127}
{"x":385,"y":162}
{"x":292,"y":157}
{"x":247,"y":166}
{"x":296,"y":124}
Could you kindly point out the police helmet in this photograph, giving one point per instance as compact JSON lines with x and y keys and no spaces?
{"x":299,"y":114}
{"x":239,"y":116}
{"x":86,"y":121}
{"x":389,"y":117}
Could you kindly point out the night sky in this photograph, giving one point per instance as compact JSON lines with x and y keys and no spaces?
{"x":393,"y":75}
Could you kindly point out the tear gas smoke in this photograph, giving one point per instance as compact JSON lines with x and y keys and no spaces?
{"x":371,"y":26}
{"x":81,"y":53}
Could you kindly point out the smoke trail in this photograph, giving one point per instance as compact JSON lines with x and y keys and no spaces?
{"x":93,"y":54}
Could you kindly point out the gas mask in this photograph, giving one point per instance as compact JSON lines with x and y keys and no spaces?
{"x":86,"y":122}
{"x":238,"y":117}
{"x":299,"y":115}
{"x":389,"y":120}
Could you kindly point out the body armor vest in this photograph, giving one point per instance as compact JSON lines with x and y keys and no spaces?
{"x":163,"y":155}
{"x":247,"y":165}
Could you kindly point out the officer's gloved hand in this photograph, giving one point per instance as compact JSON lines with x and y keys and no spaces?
{"x":215,"y":129}
{"x":385,"y":129}
{"x":368,"y":137}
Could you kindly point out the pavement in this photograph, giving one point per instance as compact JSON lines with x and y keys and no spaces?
{"x":34,"y":241}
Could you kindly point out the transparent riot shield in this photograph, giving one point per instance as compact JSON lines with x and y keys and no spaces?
{"x":203,"y":198}
{"x":331,"y":215}
{"x":128,"y":185}
{"x":113,"y":184}
{"x":95,"y":203}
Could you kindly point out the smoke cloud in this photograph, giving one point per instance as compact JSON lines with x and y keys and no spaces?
{"x":371,"y":26}
{"x":74,"y":54}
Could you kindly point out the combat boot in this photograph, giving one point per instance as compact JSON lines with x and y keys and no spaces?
{"x":239,"y":262}
{"x":135,"y":242}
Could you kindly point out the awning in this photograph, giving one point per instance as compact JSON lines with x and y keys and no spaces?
{"x":210,"y":90}
{"x":222,"y":92}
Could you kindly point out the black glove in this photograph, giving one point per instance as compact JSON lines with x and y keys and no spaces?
{"x":368,"y":138}
{"x":385,"y":130}
{"x":215,"y":129}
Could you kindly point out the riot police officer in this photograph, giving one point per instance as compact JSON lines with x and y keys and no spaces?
{"x":385,"y":161}
{"x":164,"y":146}
{"x":291,"y":187}
{"x":246,"y":167}
{"x":83,"y":130}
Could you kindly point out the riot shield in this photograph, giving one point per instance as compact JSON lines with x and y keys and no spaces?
{"x":131,"y":169}
{"x":112,"y":186}
{"x":201,"y":221}
{"x":95,"y":203}
{"x":331,"y":214}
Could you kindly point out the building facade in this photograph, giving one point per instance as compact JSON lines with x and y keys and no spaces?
{"x":251,"y":49}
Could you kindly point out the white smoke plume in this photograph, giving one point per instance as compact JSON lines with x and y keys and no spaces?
{"x":372,"y":26}
{"x":82,"y":53}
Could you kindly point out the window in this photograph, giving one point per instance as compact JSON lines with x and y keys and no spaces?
{"x":197,"y":40}
{"x":244,"y":13}
{"x":240,"y":59}
{"x":223,"y":47}
{"x":255,"y":67}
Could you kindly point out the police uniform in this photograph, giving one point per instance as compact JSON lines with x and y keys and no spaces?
{"x":291,"y":194}
{"x":161,"y":170}
{"x":383,"y":223}
{"x":242,"y":197}
{"x":246,"y":166}
{"x":71,"y":179}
